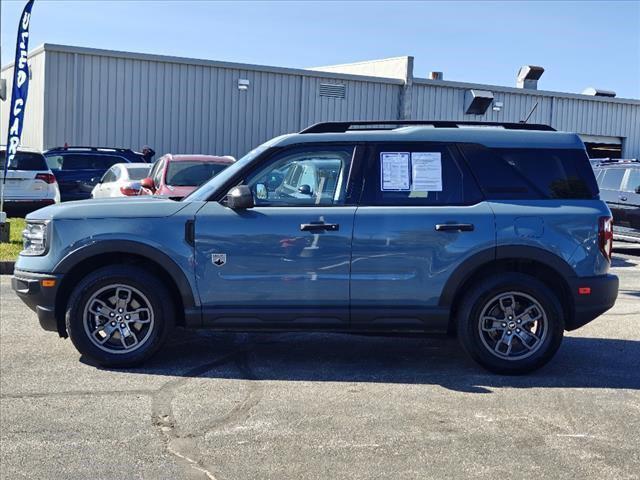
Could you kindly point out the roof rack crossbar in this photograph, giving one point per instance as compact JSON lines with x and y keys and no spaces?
{"x":341,"y":127}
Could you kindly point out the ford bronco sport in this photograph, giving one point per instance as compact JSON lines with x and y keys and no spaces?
{"x":496,"y":234}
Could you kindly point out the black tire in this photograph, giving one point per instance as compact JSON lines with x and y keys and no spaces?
{"x":143,"y":288}
{"x":478,"y":336}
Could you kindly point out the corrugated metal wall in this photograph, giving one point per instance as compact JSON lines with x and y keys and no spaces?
{"x":596,"y":116}
{"x":192,"y":108}
{"x":99,"y":97}
{"x":600,"y":118}
{"x":33,"y":114}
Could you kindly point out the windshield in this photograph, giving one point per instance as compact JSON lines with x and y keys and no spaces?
{"x":25,"y":161}
{"x":206,"y":190}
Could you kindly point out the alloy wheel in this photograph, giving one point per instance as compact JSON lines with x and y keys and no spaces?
{"x":513,"y":325}
{"x":118,"y":318}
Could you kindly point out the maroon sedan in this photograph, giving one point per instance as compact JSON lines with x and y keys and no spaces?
{"x":177,"y":176}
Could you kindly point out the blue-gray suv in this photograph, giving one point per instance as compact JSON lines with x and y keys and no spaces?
{"x":495,"y":233}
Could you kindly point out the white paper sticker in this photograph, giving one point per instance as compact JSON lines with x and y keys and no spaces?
{"x":426,"y":171}
{"x":395,"y":171}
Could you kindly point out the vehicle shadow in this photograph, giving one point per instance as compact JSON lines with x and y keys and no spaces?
{"x":323,"y":357}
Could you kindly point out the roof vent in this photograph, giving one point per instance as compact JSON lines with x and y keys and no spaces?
{"x":476,"y":102}
{"x":596,"y":92}
{"x":436,"y":76}
{"x":528,"y":77}
{"x":334,"y":90}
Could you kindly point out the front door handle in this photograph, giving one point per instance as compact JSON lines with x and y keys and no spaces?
{"x":319,"y":227}
{"x":454,"y":227}
{"x":623,"y":198}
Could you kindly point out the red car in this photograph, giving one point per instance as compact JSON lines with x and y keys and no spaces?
{"x":177,"y":176}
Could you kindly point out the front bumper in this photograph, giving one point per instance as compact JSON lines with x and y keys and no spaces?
{"x":588,"y":307}
{"x":31,"y":289}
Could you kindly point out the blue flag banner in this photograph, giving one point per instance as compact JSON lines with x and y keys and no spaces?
{"x":19,"y":90}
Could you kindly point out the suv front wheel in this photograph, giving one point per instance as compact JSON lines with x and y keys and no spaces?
{"x":510,"y":323}
{"x":119,"y":316}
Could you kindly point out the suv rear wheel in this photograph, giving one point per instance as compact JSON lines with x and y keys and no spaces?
{"x":510,"y":323}
{"x":119,"y":316}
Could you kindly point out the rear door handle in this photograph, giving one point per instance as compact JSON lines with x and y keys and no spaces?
{"x":319,"y":227}
{"x":623,"y":198}
{"x":454,"y":227}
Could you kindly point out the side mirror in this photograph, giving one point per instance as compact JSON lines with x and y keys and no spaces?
{"x":240,"y":197}
{"x":304,"y":189}
{"x":638,"y":189}
{"x":261,"y":191}
{"x":147,"y":183}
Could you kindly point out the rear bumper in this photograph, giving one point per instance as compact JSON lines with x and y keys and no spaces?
{"x":588,"y":307}
{"x":42,"y":300}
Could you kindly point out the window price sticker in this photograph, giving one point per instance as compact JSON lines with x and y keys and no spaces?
{"x":395,"y":171}
{"x":426,"y":172}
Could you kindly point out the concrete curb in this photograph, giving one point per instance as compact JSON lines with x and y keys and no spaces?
{"x":6,"y":267}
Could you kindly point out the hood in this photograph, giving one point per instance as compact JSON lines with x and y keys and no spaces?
{"x":122,"y":207}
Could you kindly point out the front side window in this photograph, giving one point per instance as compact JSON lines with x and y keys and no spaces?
{"x":306,"y":176}
{"x":612,"y":179}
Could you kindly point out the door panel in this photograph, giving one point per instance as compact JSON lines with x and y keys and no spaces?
{"x":285,"y":262}
{"x":401,"y":262}
{"x":273,"y":272}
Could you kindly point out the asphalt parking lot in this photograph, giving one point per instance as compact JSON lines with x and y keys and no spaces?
{"x":292,"y":406}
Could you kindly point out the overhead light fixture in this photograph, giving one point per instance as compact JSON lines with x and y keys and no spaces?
{"x":243,"y":84}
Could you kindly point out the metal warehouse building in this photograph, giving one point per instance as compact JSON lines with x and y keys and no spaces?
{"x":85,"y":96}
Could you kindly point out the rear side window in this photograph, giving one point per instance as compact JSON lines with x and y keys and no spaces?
{"x":418,"y":174}
{"x":81,"y":161}
{"x":188,"y":174}
{"x":521,"y":173}
{"x":612,"y":179}
{"x":25,"y":161}
{"x":138,"y":173}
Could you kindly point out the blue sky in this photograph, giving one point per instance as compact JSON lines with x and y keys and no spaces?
{"x":580,"y":44}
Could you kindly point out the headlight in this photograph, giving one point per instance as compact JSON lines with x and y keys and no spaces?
{"x":34,"y":239}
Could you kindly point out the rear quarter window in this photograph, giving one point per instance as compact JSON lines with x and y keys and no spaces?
{"x":83,"y":161}
{"x":525,"y":173}
{"x":25,"y":161}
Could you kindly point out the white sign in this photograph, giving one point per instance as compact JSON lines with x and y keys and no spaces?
{"x":426,"y":171}
{"x":395,"y":171}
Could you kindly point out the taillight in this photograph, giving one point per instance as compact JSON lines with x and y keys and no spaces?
{"x":129,"y":191}
{"x":605,"y":236}
{"x":46,"y":177}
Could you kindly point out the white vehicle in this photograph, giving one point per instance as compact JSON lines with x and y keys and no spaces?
{"x":121,"y":180}
{"x":30,"y":185}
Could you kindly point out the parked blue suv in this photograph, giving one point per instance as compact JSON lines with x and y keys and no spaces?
{"x":495,"y":234}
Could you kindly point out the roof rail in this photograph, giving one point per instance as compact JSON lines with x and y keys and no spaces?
{"x":606,"y":161}
{"x":93,"y":149}
{"x":341,"y":127}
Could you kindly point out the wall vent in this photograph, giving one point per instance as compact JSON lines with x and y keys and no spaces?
{"x":333,"y":90}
